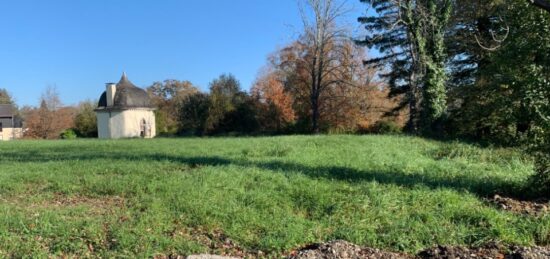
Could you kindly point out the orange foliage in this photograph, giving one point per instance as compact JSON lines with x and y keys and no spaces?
{"x":42,"y":123}
{"x":275,"y":104}
{"x":355,"y":102}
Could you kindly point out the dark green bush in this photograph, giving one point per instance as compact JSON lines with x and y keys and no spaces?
{"x":68,"y":134}
{"x":386,"y":127}
{"x":85,"y":121}
{"x":540,"y":182}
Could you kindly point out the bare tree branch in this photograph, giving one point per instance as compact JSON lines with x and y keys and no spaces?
{"x":495,"y":38}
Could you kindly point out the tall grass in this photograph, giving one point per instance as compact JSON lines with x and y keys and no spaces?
{"x":178,"y":196}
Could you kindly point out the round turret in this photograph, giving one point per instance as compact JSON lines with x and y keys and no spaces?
{"x":126,"y":96}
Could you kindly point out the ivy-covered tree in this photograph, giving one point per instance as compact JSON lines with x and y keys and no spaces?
{"x":504,"y":47}
{"x":434,"y":20}
{"x":411,"y":36}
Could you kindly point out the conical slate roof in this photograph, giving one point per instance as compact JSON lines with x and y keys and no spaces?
{"x":6,"y":110}
{"x":127,"y":96}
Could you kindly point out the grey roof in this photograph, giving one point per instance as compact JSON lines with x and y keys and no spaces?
{"x":6,"y":110}
{"x":8,"y":117}
{"x":11,"y":122}
{"x":127,"y":96}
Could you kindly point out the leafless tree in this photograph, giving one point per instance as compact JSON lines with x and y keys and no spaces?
{"x":49,"y":104}
{"x":50,"y":98}
{"x":321,"y":40}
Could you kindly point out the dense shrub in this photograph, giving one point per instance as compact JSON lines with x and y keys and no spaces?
{"x":225,"y":110}
{"x":68,"y":134}
{"x":540,"y":182}
{"x":85,"y":121}
{"x":193,"y":114}
{"x":386,"y":127}
{"x":166,"y":96}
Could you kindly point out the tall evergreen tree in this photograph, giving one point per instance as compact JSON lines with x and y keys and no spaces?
{"x":410,"y":34}
{"x":5,"y":97}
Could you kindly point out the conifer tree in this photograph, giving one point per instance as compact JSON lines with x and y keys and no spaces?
{"x":410,"y":34}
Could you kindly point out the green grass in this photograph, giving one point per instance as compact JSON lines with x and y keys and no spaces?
{"x":177,"y":196}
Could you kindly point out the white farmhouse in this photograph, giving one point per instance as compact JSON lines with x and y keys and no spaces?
{"x":11,"y":126}
{"x":125,"y":111}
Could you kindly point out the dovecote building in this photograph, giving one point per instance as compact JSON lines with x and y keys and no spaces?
{"x":125,"y":111}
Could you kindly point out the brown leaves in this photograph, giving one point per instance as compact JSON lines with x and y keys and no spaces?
{"x":43,"y":123}
{"x":275,"y":103}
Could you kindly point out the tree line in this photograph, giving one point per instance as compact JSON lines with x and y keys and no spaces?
{"x":469,"y":69}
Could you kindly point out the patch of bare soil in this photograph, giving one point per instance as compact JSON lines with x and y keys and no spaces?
{"x":530,"y":253}
{"x":65,"y":201}
{"x":342,"y":249}
{"x":207,"y":256}
{"x":200,"y":256}
{"x":94,"y":205}
{"x":487,"y":252}
{"x":461,"y":252}
{"x":534,"y":208}
{"x":219,"y":245}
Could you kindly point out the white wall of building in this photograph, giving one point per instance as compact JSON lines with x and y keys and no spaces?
{"x":11,"y":134}
{"x":126,"y":123}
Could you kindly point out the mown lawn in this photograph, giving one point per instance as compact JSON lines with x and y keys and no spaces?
{"x":178,"y":196}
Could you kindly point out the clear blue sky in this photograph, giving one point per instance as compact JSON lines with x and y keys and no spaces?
{"x":78,"y":45}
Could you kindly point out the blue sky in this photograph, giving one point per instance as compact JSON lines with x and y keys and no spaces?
{"x":78,"y":45}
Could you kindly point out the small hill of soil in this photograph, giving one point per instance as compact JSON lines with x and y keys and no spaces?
{"x":533,"y":208}
{"x":345,"y":250}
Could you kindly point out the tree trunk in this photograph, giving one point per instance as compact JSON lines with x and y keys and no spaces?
{"x":412,"y":124}
{"x":315,"y":114}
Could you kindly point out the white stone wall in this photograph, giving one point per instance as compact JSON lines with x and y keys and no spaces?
{"x":104,"y":124}
{"x":125,"y":124}
{"x":11,"y":134}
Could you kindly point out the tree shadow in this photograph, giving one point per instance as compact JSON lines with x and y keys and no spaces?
{"x":480,"y":186}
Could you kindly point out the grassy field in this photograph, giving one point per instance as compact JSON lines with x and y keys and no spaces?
{"x":182,"y":196}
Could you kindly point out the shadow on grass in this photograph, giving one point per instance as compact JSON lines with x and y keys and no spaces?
{"x":479,"y":186}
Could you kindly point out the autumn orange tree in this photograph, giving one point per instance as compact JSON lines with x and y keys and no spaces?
{"x":321,"y":47}
{"x":50,"y":119}
{"x":344,"y":104}
{"x":274,"y":105}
